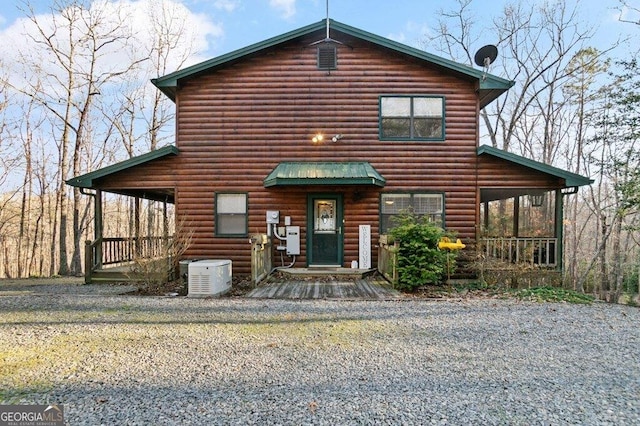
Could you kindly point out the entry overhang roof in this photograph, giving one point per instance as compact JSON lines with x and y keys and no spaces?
{"x":324,"y":173}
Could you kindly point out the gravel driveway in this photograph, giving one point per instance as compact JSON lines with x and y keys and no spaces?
{"x":119,"y":360}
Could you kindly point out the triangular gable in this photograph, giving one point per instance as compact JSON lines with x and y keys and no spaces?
{"x":90,"y":180}
{"x":570,"y":179}
{"x":490,"y":86}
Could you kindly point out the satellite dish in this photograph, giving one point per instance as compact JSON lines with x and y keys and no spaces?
{"x":486,"y":55}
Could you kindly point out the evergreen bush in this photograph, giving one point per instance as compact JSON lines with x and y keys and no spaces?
{"x":420,"y":262}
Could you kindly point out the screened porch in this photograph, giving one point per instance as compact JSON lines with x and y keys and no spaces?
{"x":522,"y":226}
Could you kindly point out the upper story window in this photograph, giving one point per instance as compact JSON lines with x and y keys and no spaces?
{"x":231,"y":214}
{"x":412,"y":117}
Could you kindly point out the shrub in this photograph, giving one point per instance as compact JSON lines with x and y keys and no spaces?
{"x":420,"y":261}
{"x":553,"y":294}
{"x":153,"y":274}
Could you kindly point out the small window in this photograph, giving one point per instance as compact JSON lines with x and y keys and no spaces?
{"x":422,"y":204}
{"x":327,"y":57}
{"x":412,"y":117}
{"x":231,"y":215}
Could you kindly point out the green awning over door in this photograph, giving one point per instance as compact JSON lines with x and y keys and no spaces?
{"x":324,"y":173}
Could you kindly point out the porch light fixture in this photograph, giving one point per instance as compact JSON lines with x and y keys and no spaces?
{"x":317,"y":138}
{"x":537,"y":200}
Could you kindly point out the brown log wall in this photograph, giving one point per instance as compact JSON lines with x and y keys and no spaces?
{"x":236,"y":124}
{"x":498,"y":173}
{"x":153,"y":175}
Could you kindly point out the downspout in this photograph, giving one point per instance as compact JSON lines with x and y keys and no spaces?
{"x":559,"y":223}
{"x":559,"y":229}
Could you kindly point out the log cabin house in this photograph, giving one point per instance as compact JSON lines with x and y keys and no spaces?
{"x":329,"y":128}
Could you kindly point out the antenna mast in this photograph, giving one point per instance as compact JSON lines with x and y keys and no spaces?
{"x":327,"y":39}
{"x":327,"y":19}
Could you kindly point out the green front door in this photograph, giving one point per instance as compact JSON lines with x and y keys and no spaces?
{"x":324,"y":230}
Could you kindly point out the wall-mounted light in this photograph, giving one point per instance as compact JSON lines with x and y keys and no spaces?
{"x":337,"y":137}
{"x":537,"y":200}
{"x":317,"y":138}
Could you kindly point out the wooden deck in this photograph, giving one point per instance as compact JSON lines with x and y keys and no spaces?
{"x":335,"y":288}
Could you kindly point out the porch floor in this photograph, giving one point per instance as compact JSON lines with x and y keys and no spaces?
{"x":326,"y":288}
{"x":326,"y":271}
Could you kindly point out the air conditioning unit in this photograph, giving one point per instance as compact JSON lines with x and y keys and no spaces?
{"x":209,"y":277}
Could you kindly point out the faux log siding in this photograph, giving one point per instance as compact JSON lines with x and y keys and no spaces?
{"x":497,"y":173}
{"x":155,"y":174}
{"x":236,"y":124}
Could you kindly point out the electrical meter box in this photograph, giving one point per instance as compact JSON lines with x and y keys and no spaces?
{"x":273,"y":216}
{"x":293,"y":240}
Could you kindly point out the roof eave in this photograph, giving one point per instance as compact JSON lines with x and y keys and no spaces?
{"x":571,"y":179}
{"x":170,"y":81}
{"x":492,"y":89}
{"x":268,"y":183}
{"x":490,"y":86}
{"x":87,"y":180}
{"x":295,"y":174}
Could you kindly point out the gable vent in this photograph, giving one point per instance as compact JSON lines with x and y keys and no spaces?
{"x":327,"y":57}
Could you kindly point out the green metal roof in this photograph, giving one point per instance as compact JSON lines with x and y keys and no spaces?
{"x":88,"y":180}
{"x":324,"y":173}
{"x":571,"y":179}
{"x":490,"y":86}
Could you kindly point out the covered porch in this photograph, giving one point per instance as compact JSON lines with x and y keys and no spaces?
{"x":522,"y":226}
{"x":110,"y":256}
{"x":522,"y":209}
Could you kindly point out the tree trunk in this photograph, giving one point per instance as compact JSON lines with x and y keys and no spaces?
{"x":63,"y":268}
{"x":604,"y":279}
{"x":617,"y":259}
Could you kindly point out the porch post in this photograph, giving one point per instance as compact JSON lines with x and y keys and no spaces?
{"x":98,"y":226}
{"x":559,"y":219}
{"x":165,"y":221}
{"x":516,"y":216}
{"x":136,"y":225}
{"x":486,"y":215}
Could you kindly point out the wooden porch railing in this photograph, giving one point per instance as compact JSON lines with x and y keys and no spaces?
{"x":388,"y":259}
{"x":261,"y":258}
{"x":118,"y":251}
{"x":541,"y":252}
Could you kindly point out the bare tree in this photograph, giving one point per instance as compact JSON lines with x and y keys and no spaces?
{"x":628,"y":12}
{"x":582,"y":92}
{"x":545,"y":50}
{"x":169,"y":43}
{"x":78,"y":39}
{"x":10,"y":165}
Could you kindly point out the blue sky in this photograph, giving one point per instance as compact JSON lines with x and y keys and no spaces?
{"x":234,"y":24}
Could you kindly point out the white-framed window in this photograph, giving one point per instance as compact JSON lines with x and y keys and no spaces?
{"x":231,"y":214}
{"x":405,"y":117}
{"x":430,"y":205}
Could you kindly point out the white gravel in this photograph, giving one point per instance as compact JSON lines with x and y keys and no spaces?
{"x":117,"y":360}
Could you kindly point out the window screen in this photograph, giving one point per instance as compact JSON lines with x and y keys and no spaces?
{"x":231,"y":214}
{"x":412,"y":117}
{"x":422,"y":204}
